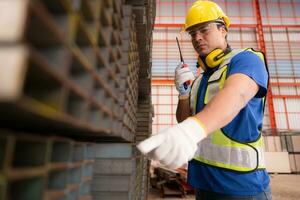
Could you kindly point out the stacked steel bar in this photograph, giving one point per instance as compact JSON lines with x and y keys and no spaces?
{"x":72,"y":68}
{"x":140,"y":189}
{"x":145,"y":15}
{"x":38,"y":167}
{"x":144,"y":119}
{"x":129,"y":78}
{"x":113,"y":171}
{"x":120,"y":172}
{"x":62,"y":67}
{"x":144,"y":130}
{"x":76,"y":59}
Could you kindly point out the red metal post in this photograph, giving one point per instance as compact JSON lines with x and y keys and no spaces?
{"x":263,"y":49}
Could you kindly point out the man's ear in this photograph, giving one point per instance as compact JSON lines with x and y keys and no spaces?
{"x":224,"y":31}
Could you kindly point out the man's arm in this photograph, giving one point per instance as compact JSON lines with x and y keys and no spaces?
{"x":183,"y":110}
{"x":178,"y":144}
{"x":227,"y":103}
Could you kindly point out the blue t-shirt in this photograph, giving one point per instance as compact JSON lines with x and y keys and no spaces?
{"x":248,"y":121}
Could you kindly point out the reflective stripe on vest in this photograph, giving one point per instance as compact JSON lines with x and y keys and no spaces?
{"x":218,"y":149}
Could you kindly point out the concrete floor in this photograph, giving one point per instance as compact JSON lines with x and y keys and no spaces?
{"x":284,"y":187}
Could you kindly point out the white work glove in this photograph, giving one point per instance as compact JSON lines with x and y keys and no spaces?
{"x":176,"y":145}
{"x":183,"y":80}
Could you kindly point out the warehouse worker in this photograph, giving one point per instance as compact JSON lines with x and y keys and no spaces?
{"x":220,"y":114}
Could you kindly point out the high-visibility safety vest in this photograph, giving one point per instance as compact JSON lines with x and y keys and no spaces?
{"x":218,"y":149}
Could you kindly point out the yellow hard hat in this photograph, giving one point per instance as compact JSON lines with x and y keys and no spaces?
{"x":205,"y":11}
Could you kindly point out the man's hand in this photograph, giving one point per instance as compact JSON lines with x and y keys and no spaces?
{"x":183,"y":80}
{"x":176,"y":145}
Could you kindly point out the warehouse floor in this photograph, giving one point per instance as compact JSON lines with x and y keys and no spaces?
{"x":284,"y":187}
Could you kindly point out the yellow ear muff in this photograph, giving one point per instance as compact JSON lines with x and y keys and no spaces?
{"x":214,"y":58}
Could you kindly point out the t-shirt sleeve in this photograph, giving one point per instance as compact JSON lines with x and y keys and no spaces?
{"x":251,"y":65}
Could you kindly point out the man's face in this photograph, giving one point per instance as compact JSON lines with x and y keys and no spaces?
{"x":208,"y":37}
